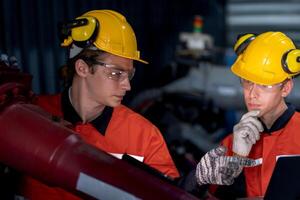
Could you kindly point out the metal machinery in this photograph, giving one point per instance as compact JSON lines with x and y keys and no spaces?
{"x":40,"y":145}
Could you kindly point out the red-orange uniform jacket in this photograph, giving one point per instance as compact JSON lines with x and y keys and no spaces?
{"x":117,"y":131}
{"x":282,"y":139}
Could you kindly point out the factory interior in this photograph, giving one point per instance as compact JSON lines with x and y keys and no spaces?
{"x":187,"y":90}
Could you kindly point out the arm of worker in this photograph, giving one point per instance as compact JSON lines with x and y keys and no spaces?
{"x":246,"y":133}
{"x":214,"y":168}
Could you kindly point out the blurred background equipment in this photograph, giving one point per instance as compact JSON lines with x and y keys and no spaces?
{"x":189,"y":107}
{"x":248,"y":16}
{"x":195,"y":44}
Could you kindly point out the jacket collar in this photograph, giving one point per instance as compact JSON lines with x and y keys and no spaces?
{"x":281,"y":121}
{"x":70,"y":114}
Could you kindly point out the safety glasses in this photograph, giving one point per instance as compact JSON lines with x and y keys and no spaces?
{"x":113,"y":71}
{"x":267,"y":88}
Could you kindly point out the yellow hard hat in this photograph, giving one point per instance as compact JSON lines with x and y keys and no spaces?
{"x":267,"y":59}
{"x":107,"y":30}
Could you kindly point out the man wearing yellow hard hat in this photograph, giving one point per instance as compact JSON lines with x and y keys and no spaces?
{"x":266,"y":64}
{"x":102,"y":47}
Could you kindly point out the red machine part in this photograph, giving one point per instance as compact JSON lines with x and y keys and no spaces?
{"x":15,"y":86}
{"x":31,"y":142}
{"x":12,"y":74}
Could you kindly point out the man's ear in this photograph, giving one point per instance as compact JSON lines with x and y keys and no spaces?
{"x":81,"y":68}
{"x":287,"y":88}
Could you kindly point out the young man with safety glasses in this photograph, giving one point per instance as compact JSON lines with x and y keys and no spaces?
{"x":102,"y":49}
{"x":265,"y":65}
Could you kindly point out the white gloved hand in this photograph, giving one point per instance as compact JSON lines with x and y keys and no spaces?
{"x":246,"y":133}
{"x":216,"y":168}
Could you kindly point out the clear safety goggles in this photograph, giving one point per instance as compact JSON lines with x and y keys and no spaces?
{"x":249,"y":85}
{"x":114,"y":72}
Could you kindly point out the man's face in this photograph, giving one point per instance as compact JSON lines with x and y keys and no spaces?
{"x":266,"y":99}
{"x":109,"y":82}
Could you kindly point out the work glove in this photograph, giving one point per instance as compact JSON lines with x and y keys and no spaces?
{"x":216,"y":168}
{"x":246,"y":133}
